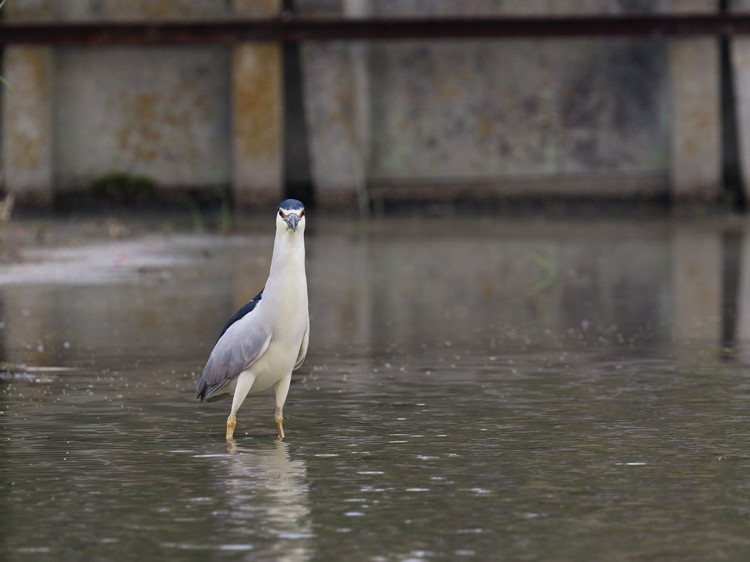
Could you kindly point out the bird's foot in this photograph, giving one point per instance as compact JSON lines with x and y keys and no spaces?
{"x":231,"y":423}
{"x":279,"y":418}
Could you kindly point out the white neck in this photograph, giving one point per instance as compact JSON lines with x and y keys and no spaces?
{"x":288,"y":264}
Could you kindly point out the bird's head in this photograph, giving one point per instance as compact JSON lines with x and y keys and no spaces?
{"x":290,"y":215}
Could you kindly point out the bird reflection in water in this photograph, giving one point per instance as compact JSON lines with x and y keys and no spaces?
{"x":268,"y":499}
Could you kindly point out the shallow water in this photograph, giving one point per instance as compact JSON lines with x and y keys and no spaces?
{"x":563,"y":391}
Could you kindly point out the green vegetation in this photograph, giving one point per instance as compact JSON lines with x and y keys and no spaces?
{"x":225,"y":215}
{"x":121,"y":187}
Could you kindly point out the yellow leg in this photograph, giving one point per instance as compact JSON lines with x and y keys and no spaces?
{"x":281,"y":388}
{"x":279,"y":418}
{"x":231,"y":422}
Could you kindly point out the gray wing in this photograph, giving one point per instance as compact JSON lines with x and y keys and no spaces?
{"x":303,"y":348}
{"x":238,"y":348}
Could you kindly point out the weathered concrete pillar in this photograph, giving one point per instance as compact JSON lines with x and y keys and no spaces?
{"x":257,"y":114}
{"x":740,"y":53}
{"x":338,"y":107}
{"x":336,"y":161}
{"x":696,"y":111}
{"x":27,"y":130}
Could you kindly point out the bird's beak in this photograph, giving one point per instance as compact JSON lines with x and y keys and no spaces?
{"x":292,"y":221}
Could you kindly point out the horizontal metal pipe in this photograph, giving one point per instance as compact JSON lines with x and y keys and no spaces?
{"x":293,"y":29}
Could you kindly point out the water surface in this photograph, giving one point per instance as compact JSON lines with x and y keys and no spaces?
{"x":571,"y":390}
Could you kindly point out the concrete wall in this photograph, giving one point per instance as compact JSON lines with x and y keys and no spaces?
{"x":167,"y":119}
{"x":185,"y":117}
{"x":593,"y":117}
{"x":598,"y":117}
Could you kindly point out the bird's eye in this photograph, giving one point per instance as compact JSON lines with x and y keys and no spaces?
{"x":281,"y":213}
{"x":302,"y":213}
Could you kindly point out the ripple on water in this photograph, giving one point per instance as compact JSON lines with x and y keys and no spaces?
{"x":207,"y":547}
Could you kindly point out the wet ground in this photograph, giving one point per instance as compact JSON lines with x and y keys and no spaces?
{"x":476,"y":389}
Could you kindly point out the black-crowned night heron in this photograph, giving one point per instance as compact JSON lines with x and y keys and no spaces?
{"x":267,"y":338}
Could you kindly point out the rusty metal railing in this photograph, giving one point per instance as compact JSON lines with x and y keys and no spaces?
{"x":290,"y":29}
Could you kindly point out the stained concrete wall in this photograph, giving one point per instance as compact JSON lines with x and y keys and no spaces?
{"x":591,"y":117}
{"x":484,"y":112}
{"x":185,"y":117}
{"x":167,"y":119}
{"x":595,"y":117}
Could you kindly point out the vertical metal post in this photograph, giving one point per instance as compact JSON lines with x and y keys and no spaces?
{"x":296,"y":152}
